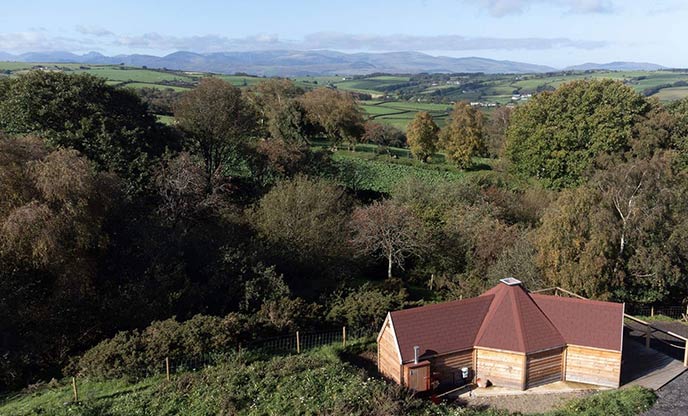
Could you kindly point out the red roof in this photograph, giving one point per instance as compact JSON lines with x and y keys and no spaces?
{"x":515,"y":323}
{"x":507,"y":317}
{"x":439,"y":328}
{"x":584,"y":322}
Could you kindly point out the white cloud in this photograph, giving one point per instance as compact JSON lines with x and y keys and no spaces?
{"x":39,"y":41}
{"x":102,"y":39}
{"x":343,"y":41}
{"x":499,"y":8}
{"x":93,"y":31}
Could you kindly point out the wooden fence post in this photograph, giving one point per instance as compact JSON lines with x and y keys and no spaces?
{"x":652,"y":311}
{"x":298,"y":343}
{"x":167,"y":368}
{"x":344,"y":336}
{"x":685,"y":355}
{"x":76,"y":392}
{"x":647,"y":336}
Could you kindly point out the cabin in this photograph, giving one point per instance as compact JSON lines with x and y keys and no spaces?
{"x":507,"y":335}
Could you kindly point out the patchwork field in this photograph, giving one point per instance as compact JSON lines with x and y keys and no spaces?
{"x":395,"y":98}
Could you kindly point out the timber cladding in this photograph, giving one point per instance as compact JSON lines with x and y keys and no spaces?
{"x":447,"y":368}
{"x":502,"y":368}
{"x":388,"y":359}
{"x":544,"y":367}
{"x":593,"y":366}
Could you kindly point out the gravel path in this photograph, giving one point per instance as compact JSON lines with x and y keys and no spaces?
{"x":673,"y":398}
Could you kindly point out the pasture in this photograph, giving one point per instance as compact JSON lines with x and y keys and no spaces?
{"x":396,"y":98}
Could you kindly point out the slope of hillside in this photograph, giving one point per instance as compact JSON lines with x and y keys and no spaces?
{"x":295,"y":63}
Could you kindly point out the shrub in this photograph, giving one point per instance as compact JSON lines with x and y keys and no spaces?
{"x":137,"y":353}
{"x":365,"y":307}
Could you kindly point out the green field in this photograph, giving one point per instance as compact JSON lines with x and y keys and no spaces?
{"x":136,"y":75}
{"x":396,"y":98}
{"x":137,"y":85}
{"x":672,"y":94}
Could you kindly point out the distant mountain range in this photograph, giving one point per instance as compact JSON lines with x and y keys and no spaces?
{"x":616,"y":66}
{"x":301,"y":63}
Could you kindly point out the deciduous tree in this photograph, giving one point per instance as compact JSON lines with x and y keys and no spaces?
{"x":422,"y":136}
{"x":463,"y":138}
{"x":108,"y":125}
{"x":219,"y":123}
{"x":557,"y":136}
{"x":388,"y":230}
{"x":335,"y":113}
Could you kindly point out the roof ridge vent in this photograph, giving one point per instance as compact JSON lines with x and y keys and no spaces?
{"x":510,"y":281}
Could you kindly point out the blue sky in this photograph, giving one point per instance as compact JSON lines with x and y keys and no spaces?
{"x":550,"y":32}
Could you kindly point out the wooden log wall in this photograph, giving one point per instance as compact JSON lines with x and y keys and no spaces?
{"x":593,"y":366}
{"x":447,"y":368}
{"x":388,"y":360}
{"x":502,"y":368}
{"x":543,"y":368}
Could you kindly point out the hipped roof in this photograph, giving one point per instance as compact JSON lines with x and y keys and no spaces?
{"x":507,"y":317}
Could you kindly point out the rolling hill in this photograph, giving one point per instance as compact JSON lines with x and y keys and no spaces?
{"x":295,"y":63}
{"x":616,"y":66}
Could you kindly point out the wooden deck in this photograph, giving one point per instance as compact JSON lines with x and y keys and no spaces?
{"x":647,"y":367}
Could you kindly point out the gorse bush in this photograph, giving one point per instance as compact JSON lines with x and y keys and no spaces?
{"x":138,"y":353}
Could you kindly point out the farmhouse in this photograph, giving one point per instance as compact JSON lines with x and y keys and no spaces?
{"x":508,"y":336}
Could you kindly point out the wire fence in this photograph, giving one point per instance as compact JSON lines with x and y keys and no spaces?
{"x":673,"y":311}
{"x":287,"y":344}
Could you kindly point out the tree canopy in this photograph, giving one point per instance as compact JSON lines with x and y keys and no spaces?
{"x":335,"y":113}
{"x":463,"y":138}
{"x":219,"y":123}
{"x":557,"y":136}
{"x":421,"y":135}
{"x":108,"y":125}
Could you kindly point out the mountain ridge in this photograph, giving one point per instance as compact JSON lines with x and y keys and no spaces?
{"x":315,"y":62}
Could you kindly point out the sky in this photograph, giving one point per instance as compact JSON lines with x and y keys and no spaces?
{"x":557,"y":33}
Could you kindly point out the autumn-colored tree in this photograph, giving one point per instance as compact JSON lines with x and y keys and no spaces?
{"x":422,"y":135}
{"x":383,"y":135}
{"x":335,"y":113}
{"x":304,"y":218}
{"x":557,"y":136}
{"x":496,"y":127}
{"x":388,"y":230}
{"x":218,"y":122}
{"x":463,"y":138}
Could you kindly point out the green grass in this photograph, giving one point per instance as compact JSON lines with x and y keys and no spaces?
{"x":169,"y":120}
{"x":138,"y":85}
{"x":672,"y":94}
{"x":657,"y":318}
{"x":115,"y":73}
{"x":240,"y":81}
{"x":380,"y":173}
{"x":628,"y":401}
{"x":321,"y":381}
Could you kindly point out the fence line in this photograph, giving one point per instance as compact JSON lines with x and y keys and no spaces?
{"x":287,"y":344}
{"x":671,"y":311}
